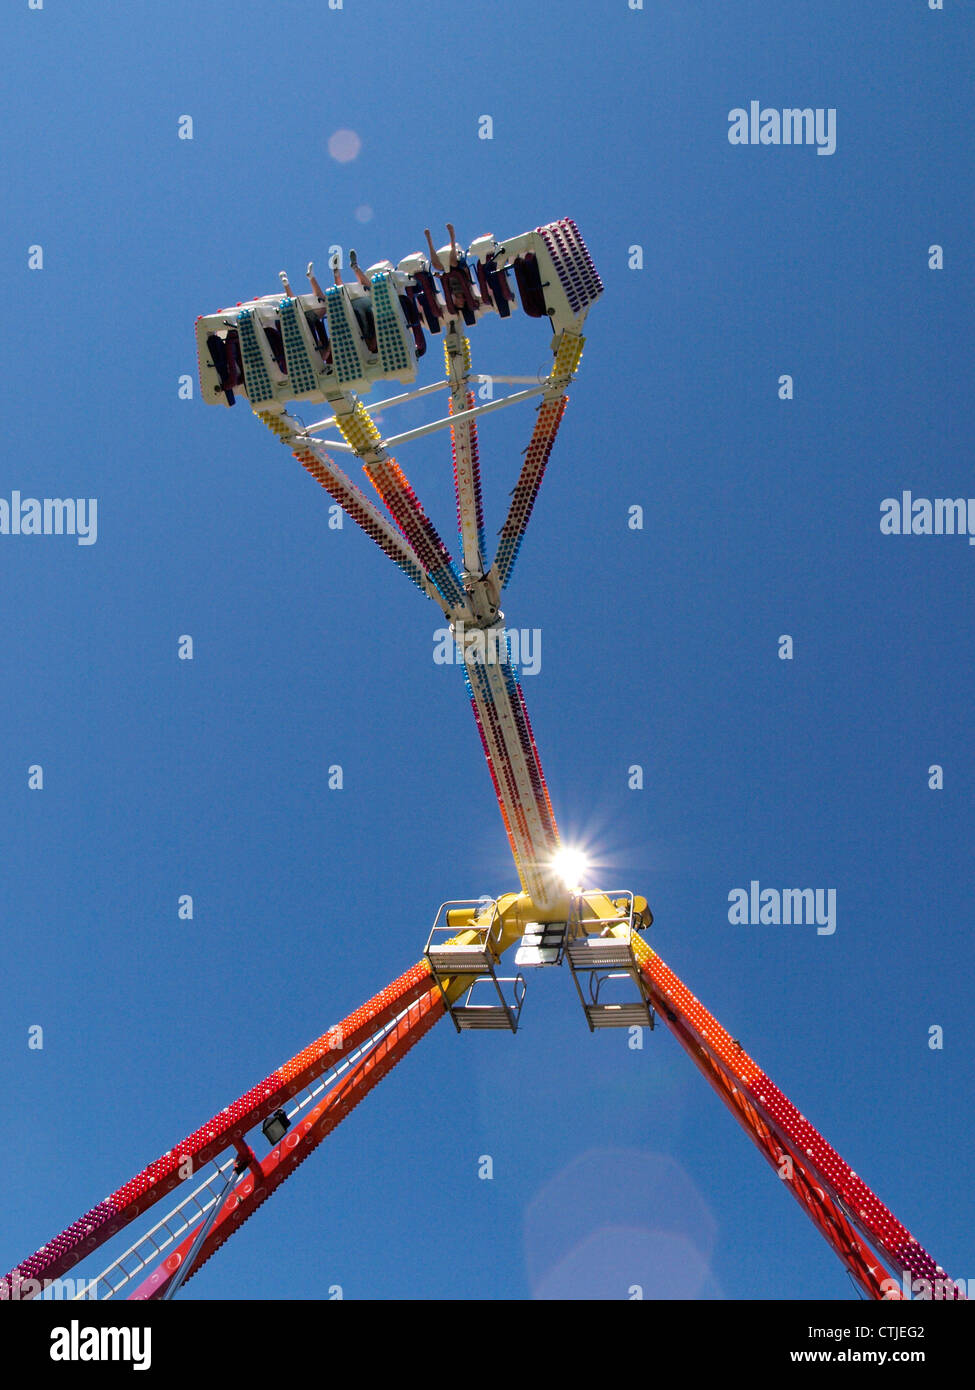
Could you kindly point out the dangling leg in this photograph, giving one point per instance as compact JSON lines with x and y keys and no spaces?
{"x":360,"y":274}
{"x":316,"y":287}
{"x":283,"y":277}
{"x":435,"y":260}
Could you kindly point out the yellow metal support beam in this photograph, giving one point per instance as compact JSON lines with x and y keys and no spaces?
{"x":516,"y":912}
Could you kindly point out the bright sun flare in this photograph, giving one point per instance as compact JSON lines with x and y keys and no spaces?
{"x":570,"y":865}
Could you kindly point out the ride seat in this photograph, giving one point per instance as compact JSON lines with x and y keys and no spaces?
{"x":530,"y":285}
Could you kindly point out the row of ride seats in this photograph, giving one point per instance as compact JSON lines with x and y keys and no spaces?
{"x":420,"y":303}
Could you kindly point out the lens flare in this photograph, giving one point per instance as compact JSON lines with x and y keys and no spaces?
{"x":570,"y":864}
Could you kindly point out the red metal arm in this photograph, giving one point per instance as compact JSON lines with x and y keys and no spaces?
{"x":824,"y":1185}
{"x":229,"y":1125}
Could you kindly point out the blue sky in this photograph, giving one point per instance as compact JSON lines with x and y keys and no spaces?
{"x":612,"y":1167}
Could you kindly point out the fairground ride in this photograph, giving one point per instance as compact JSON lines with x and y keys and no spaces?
{"x":331,"y":347}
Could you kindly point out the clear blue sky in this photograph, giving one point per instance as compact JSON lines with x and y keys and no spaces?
{"x":659,"y":647}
